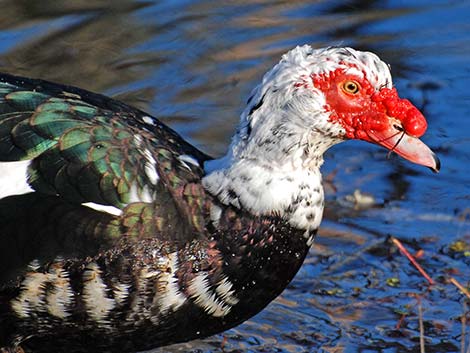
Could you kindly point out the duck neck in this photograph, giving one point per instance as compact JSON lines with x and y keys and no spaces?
{"x":270,"y":183}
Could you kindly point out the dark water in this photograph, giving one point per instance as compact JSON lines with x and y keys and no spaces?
{"x":193,"y":63}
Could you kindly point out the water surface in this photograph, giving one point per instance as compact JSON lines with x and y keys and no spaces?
{"x":193,"y":64}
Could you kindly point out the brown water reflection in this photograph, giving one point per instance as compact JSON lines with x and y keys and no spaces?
{"x":193,"y":64}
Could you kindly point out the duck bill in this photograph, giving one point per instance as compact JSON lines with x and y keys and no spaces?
{"x":407,"y":146}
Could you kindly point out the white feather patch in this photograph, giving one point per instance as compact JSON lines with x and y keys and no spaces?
{"x":168,"y":295}
{"x":186,"y":158}
{"x":224,"y":290}
{"x":144,"y":290}
{"x":215,"y":214}
{"x":14,"y":178}
{"x":205,"y":298}
{"x":104,"y":208}
{"x":151,"y":167}
{"x":121,"y":293}
{"x":60,"y":298}
{"x":140,"y":195}
{"x":32,"y":297}
{"x":138,"y":140}
{"x":98,"y":304}
{"x":262,"y":190}
{"x":148,"y":120}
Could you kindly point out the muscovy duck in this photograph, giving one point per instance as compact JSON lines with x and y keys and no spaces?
{"x":119,"y":236}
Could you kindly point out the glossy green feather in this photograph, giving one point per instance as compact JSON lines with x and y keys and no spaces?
{"x":75,"y":144}
{"x":87,"y":148}
{"x":29,"y":141}
{"x":52,"y":123}
{"x":25,"y":100}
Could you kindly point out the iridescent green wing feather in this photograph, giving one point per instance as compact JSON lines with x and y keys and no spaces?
{"x":86,"y":148}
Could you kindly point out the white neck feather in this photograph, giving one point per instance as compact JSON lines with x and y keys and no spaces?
{"x":273,"y":163}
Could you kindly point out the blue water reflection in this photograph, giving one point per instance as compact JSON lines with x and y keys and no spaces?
{"x":193,"y":63}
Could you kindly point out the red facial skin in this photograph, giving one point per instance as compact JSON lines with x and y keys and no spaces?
{"x":368,"y":109}
{"x":380,"y":117}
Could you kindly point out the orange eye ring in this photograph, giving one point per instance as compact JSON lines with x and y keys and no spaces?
{"x":350,"y":87}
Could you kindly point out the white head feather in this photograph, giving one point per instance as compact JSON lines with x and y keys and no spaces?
{"x":272,"y":165}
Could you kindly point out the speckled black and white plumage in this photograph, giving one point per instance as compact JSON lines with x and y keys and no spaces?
{"x":118,"y":236}
{"x":157,"y":270}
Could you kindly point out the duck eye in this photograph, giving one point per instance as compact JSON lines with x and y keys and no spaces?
{"x":351,"y":87}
